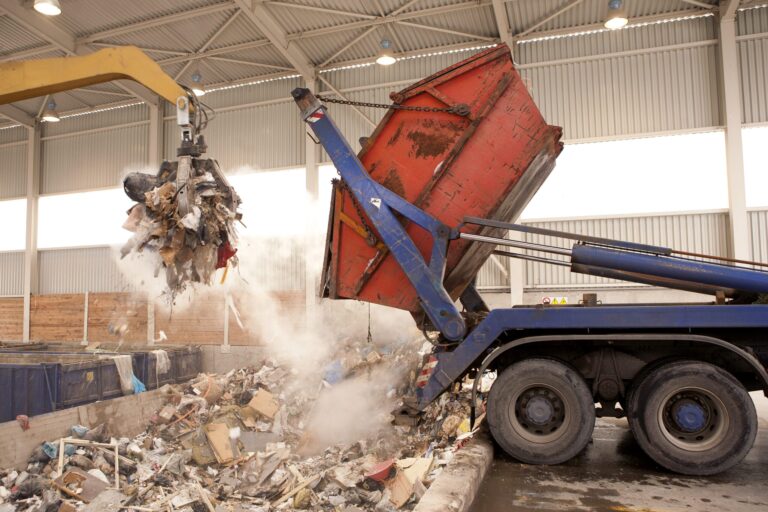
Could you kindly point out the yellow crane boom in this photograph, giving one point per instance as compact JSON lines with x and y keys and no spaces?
{"x":31,"y":78}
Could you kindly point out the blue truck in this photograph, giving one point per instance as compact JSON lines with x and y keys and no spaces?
{"x":680,"y":373}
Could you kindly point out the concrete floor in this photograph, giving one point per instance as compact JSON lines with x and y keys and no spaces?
{"x":613,"y":474}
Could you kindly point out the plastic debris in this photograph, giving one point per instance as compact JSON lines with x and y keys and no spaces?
{"x":188,"y":221}
{"x":245,"y":441}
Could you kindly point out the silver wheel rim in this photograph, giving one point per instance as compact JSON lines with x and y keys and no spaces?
{"x":529,"y":404}
{"x":693,"y":419}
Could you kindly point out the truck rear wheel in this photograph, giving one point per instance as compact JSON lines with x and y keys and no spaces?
{"x":693,"y":418}
{"x":540,"y":411}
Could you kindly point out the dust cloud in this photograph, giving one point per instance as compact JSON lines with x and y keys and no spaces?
{"x":266,"y":298}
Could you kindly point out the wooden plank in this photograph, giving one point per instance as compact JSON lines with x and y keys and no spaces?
{"x":57,"y":317}
{"x":117,"y":309}
{"x":198,"y":319}
{"x":11,"y":318}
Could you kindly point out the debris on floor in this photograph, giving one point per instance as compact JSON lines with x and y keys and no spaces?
{"x":188,"y":220}
{"x":245,"y":441}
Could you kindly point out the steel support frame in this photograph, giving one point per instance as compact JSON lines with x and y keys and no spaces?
{"x":30,"y":247}
{"x":569,"y":320}
{"x":734,"y":151}
{"x":312,"y":188}
{"x":380,"y":205}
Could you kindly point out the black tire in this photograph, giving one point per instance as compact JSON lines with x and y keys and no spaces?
{"x":541,"y":411}
{"x":692,"y":418}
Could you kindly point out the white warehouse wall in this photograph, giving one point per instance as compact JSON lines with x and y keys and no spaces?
{"x":650,"y":80}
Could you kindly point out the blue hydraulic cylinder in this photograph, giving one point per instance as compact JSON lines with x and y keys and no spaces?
{"x":670,"y":272}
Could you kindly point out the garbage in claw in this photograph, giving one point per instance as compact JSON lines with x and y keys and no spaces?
{"x":188,"y":217}
{"x":249,"y":440}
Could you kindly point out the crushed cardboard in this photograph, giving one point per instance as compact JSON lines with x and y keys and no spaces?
{"x":191,"y":245}
{"x":236,"y":442}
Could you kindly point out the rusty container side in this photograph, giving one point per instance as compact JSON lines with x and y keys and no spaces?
{"x":488,"y":164}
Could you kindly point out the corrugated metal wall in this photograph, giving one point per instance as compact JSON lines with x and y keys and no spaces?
{"x":76,"y":270}
{"x":13,"y":170}
{"x":705,"y":233}
{"x":12,"y":272}
{"x":649,"y":79}
{"x":110,"y":154}
{"x":758,"y":225}
{"x":663,"y":79}
{"x":254,"y":126}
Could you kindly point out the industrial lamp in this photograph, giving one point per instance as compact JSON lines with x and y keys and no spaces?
{"x":617,"y":15}
{"x":49,"y":114}
{"x":197,"y":84}
{"x":48,"y":7}
{"x":386,"y":57}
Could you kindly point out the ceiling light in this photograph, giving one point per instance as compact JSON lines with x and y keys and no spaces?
{"x":386,"y":56}
{"x":197,"y":84}
{"x":49,"y":114}
{"x":617,"y":15}
{"x":48,"y":7}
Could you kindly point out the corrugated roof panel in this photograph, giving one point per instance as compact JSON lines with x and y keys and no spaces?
{"x":412,"y":69}
{"x":242,"y":30}
{"x":85,"y":17}
{"x":525,"y":13}
{"x":295,"y":20}
{"x":601,"y":43}
{"x":15,"y":38}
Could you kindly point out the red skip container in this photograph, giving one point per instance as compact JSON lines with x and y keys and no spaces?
{"x":487,"y":164}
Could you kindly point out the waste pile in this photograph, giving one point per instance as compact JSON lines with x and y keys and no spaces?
{"x":188,"y":220}
{"x":245,"y":441}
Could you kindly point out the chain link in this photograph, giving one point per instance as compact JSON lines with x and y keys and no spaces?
{"x":459,"y":109}
{"x":371,"y":238}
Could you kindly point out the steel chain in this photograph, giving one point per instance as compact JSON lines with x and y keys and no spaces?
{"x":371,"y":239}
{"x":459,"y":109}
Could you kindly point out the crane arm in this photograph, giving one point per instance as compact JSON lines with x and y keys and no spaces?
{"x":31,"y":78}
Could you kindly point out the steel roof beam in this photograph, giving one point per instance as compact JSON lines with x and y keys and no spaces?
{"x":216,"y":51}
{"x":502,"y":22}
{"x":388,"y":19}
{"x":321,"y":9}
{"x":699,"y":3}
{"x":476,"y":37}
{"x":549,"y":17}
{"x":17,"y":115}
{"x":260,"y":17}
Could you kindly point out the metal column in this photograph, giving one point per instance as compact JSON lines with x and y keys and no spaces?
{"x":30,"y":248}
{"x":156,"y":129}
{"x":311,"y":182}
{"x":731,"y":108}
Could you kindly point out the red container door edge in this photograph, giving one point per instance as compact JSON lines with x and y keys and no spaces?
{"x":488,"y":164}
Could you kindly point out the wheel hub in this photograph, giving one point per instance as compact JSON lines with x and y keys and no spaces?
{"x":689,"y":416}
{"x":693,"y":419}
{"x":539,"y":411}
